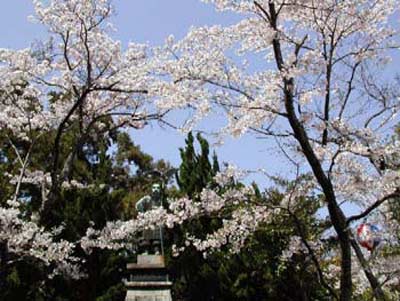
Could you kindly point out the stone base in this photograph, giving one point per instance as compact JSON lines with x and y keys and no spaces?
{"x":148,"y":279}
{"x":148,"y":295}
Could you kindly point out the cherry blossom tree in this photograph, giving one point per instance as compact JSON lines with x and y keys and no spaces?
{"x":314,"y":76}
{"x":311,"y":75}
{"x":80,"y":81}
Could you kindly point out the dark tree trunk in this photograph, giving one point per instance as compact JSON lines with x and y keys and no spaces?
{"x":337,"y":217}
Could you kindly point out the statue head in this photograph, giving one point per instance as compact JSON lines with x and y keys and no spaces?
{"x":156,"y":188}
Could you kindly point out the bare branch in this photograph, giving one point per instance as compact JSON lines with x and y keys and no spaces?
{"x":371,"y":208}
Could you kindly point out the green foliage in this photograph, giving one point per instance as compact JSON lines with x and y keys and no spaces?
{"x":191,"y":272}
{"x":196,"y":171}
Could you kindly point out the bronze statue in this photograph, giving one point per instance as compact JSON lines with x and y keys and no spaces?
{"x":150,"y":241}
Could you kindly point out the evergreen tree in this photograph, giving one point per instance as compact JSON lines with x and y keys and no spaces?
{"x":196,"y":171}
{"x":191,"y":272}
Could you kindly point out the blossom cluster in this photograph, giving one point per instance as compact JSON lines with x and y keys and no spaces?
{"x":26,"y":239}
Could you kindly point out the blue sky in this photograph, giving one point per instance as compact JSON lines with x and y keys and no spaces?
{"x":148,"y":21}
{"x":137,"y":21}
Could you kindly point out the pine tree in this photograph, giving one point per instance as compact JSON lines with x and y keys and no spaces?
{"x":192,"y":273}
{"x":196,"y":171}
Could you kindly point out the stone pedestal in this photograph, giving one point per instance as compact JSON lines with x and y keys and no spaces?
{"x":148,"y":280}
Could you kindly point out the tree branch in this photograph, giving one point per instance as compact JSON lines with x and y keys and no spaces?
{"x":367,"y":211}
